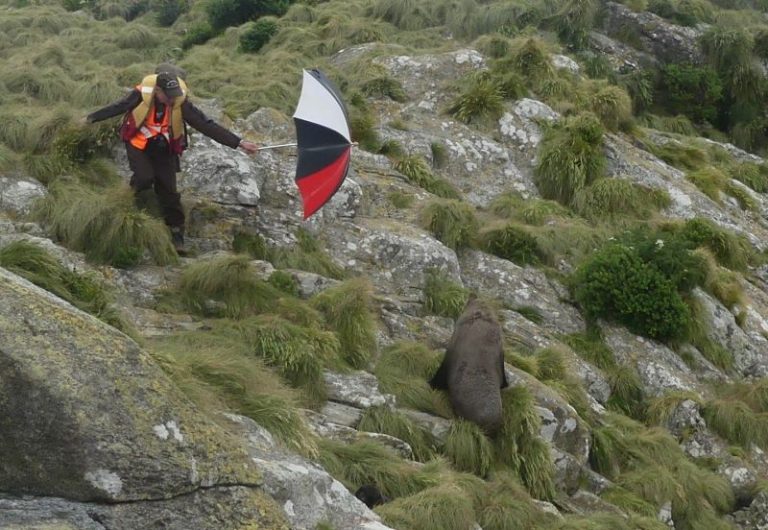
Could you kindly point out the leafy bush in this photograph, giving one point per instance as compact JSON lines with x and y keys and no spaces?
{"x":452,"y":222}
{"x":511,"y":242}
{"x":691,"y":90}
{"x":167,"y":11}
{"x":257,"y":34}
{"x":570,"y":158}
{"x":617,"y":284}
{"x":225,"y":13}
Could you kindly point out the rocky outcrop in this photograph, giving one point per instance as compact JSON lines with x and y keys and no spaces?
{"x":18,"y":194}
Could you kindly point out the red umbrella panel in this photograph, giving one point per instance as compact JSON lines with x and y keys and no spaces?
{"x":323,"y":139}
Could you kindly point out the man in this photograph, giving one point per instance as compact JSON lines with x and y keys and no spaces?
{"x":154,"y":131}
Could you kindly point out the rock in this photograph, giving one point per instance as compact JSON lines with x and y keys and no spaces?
{"x":563,"y":62}
{"x":665,"y":514}
{"x":341,"y":414}
{"x":568,"y":471}
{"x":223,"y":174}
{"x":86,"y":415}
{"x":306,"y":492}
{"x":665,"y":41}
{"x":755,"y":517}
{"x":517,"y":286}
{"x":395,"y":256}
{"x":594,"y":482}
{"x":583,"y":502}
{"x":310,"y":284}
{"x":359,"y":389}
{"x":18,"y":194}
{"x":520,"y":128}
{"x":750,"y":354}
{"x":435,"y":425}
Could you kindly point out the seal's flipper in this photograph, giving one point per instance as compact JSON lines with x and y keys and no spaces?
{"x":440,"y":379}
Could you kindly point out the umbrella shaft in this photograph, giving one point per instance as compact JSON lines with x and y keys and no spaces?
{"x":276,"y":146}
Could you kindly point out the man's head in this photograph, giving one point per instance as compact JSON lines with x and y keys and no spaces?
{"x":169,"y":85}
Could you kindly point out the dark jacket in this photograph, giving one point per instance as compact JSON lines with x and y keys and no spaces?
{"x":192,"y":115}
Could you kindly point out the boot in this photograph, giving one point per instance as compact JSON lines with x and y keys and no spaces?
{"x":177,"y":238}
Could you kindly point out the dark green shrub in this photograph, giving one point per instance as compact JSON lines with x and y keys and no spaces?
{"x":691,"y":90}
{"x":167,"y":11}
{"x":258,"y":34}
{"x":511,"y":242}
{"x":617,"y":284}
{"x":570,"y":157}
{"x":200,"y":33}
{"x":225,"y":13}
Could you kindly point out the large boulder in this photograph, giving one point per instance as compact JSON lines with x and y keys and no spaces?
{"x":86,"y":415}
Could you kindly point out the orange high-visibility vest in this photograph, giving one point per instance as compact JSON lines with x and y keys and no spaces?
{"x":143,"y":117}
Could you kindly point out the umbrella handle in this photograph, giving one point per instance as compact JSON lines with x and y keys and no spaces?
{"x":287,"y":145}
{"x":276,"y":146}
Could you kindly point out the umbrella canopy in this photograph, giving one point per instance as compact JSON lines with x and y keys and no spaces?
{"x":324,"y":144}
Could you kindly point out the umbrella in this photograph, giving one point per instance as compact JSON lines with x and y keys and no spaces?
{"x":323,"y":141}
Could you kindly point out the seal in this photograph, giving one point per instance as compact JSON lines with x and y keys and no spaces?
{"x":472,"y":370}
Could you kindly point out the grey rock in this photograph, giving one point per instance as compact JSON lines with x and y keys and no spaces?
{"x":584,"y":502}
{"x":567,"y":471}
{"x":518,"y":286}
{"x":306,"y":492}
{"x":435,"y":425}
{"x":310,"y":283}
{"x":358,"y":389}
{"x":594,"y":482}
{"x":341,"y":414}
{"x":563,"y":62}
{"x":18,"y":194}
{"x":665,"y":41}
{"x":88,"y":416}
{"x":45,"y":513}
{"x":755,"y":517}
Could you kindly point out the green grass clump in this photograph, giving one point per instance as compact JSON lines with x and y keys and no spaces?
{"x":731,"y":251}
{"x":661,"y":408}
{"x":737,"y":422}
{"x":84,"y":291}
{"x":511,"y":242}
{"x":284,"y":282}
{"x":609,"y":198}
{"x":591,"y":348}
{"x":482,"y":99}
{"x":404,"y":369}
{"x":698,"y":335}
{"x":506,"y":504}
{"x":710,"y":181}
{"x":518,"y":446}
{"x":627,"y":393}
{"x":612,"y":105}
{"x":570,"y":158}
{"x":753,"y":175}
{"x":444,"y":507}
{"x":529,"y":58}
{"x":299,"y":353}
{"x":347,"y":310}
{"x":393,"y":423}
{"x":442,"y":296}
{"x":452,"y":222}
{"x":105,"y":225}
{"x":216,"y":370}
{"x":226,"y":286}
{"x":467,"y":447}
{"x":416,"y":170}
{"x":529,"y":211}
{"x":682,"y":156}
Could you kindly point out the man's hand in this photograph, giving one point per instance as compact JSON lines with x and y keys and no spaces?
{"x":248,"y":147}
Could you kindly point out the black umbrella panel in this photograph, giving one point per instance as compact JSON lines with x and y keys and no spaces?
{"x":324,"y":143}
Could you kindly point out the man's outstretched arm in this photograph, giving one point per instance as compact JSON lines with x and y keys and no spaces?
{"x":197,"y":119}
{"x":121,"y":106}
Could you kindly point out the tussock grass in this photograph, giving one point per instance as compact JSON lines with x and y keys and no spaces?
{"x":347,"y":308}
{"x":229,"y":280}
{"x":529,"y":211}
{"x":518,"y":446}
{"x":442,"y":296}
{"x":710,"y":181}
{"x":393,"y":423}
{"x":105,"y":225}
{"x":528,"y":57}
{"x":452,"y":222}
{"x":442,"y":507}
{"x":467,"y":447}
{"x":612,"y":105}
{"x":735,"y":421}
{"x":506,"y":504}
{"x":417,"y":172}
{"x":299,"y":353}
{"x":84,"y":291}
{"x":409,"y":15}
{"x":753,"y":175}
{"x":216,"y":370}
{"x":570,"y":158}
{"x":482,"y":99}
{"x":512,"y":242}
{"x":404,"y":369}
{"x":698,"y":335}
{"x":307,"y":255}
{"x":609,"y":198}
{"x":731,"y":250}
{"x":661,"y":408}
{"x":627,"y":394}
{"x":608,"y":521}
{"x":628,"y":501}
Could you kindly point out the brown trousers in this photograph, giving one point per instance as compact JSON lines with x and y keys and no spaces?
{"x":157,"y":168}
